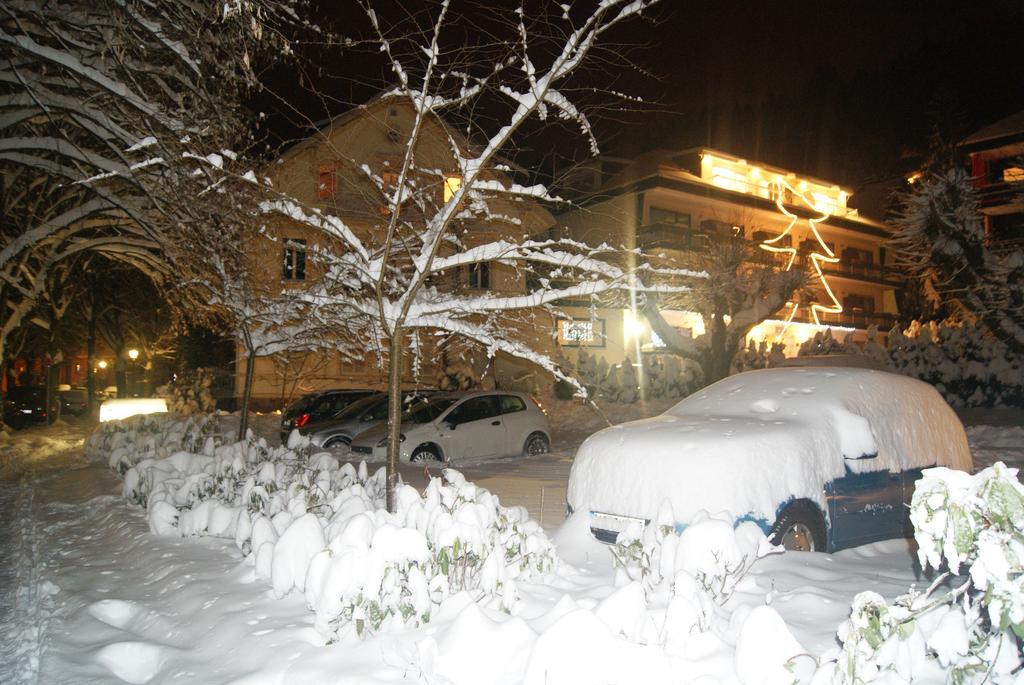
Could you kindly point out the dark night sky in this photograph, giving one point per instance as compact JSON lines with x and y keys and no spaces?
{"x":845,"y":91}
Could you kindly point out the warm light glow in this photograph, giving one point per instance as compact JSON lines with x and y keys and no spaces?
{"x":133,"y":354}
{"x":633,"y":327}
{"x":451,"y":186}
{"x":740,"y":176}
{"x":102,"y":364}
{"x":112,"y":410}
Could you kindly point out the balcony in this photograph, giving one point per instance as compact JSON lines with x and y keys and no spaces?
{"x":1000,"y":193}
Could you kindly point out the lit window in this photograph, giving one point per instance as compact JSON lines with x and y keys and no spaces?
{"x":1013,"y":174}
{"x":293,"y":267}
{"x":575,"y":331}
{"x":389,"y":178}
{"x":451,"y":186}
{"x":327,"y":181}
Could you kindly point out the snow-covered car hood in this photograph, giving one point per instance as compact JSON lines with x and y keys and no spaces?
{"x":751,"y":442}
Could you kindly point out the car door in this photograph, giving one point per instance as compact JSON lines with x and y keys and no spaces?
{"x":517,"y":422}
{"x":866,"y":504}
{"x":473,"y":428}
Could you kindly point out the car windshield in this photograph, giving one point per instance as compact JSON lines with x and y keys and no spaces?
{"x":428,"y":411}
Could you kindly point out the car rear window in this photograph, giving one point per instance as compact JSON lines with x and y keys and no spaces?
{"x":511,"y":403}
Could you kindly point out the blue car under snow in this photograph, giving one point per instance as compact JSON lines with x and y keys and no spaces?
{"x":820,"y":458}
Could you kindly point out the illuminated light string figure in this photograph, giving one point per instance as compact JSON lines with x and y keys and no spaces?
{"x":817,"y":257}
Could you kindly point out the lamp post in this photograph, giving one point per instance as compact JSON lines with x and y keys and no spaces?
{"x":133,"y":355}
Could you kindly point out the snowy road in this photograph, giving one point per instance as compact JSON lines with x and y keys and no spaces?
{"x":90,"y":596}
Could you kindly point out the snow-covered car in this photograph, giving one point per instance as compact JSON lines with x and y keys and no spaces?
{"x":356,"y":418}
{"x":820,"y":458}
{"x":456,"y":426}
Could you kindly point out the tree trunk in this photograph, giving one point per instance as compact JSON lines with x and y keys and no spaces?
{"x":120,"y":374}
{"x":243,"y":417}
{"x":90,"y":360}
{"x":394,"y":414}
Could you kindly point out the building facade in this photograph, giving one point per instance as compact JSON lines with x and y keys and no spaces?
{"x":996,"y":155}
{"x":676,"y":203}
{"x":328,"y":172}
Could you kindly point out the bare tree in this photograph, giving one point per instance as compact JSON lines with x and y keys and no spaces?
{"x":465,"y":214}
{"x":112,"y":112}
{"x":741,"y":290}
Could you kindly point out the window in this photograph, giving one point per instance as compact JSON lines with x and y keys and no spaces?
{"x":452,"y":183}
{"x":859,"y":304}
{"x":389,"y":178}
{"x":294,"y":262}
{"x":511,"y":404}
{"x":473,"y":409}
{"x":667,"y":216}
{"x":853,"y":256}
{"x":479,"y":275}
{"x":327,"y":181}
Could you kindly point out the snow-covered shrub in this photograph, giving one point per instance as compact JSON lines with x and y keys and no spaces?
{"x":702,"y":565}
{"x":125,"y":442}
{"x":189,"y":394}
{"x":962,"y":629}
{"x":311,"y":524}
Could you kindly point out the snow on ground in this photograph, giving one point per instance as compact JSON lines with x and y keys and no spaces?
{"x":89,"y":595}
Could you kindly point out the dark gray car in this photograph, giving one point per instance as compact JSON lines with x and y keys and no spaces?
{"x":359,"y":416}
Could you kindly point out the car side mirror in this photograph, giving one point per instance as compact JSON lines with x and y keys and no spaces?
{"x":452,"y":425}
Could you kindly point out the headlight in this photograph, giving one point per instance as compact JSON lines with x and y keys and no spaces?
{"x":384,"y":441}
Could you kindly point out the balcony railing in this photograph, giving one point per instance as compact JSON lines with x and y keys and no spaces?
{"x":852,"y":318}
{"x":862,"y":271}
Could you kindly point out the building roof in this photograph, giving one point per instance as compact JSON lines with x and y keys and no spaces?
{"x":1005,"y":130}
{"x":680,"y":170}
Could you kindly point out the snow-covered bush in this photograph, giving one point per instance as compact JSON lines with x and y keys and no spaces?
{"x":126,"y":442}
{"x":311,"y":524}
{"x":664,"y":376}
{"x":699,"y":567}
{"x":962,"y":629}
{"x":969,"y":367}
{"x":189,"y":394}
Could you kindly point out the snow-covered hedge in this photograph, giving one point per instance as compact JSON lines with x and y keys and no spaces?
{"x":962,"y":630}
{"x":968,"y":366}
{"x":124,"y":443}
{"x":313,"y":525}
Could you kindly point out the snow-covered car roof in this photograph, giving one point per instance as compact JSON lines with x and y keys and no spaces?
{"x":756,"y":439}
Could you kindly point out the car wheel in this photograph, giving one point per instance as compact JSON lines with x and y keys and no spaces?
{"x":424,"y":453}
{"x":536,"y":444}
{"x":336,"y":441}
{"x":800,"y":528}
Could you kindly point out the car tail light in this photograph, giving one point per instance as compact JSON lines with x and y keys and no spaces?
{"x":301,"y":420}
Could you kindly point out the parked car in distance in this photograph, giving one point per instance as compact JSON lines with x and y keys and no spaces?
{"x":819,"y":458}
{"x":318,"y":406}
{"x":24,"y":405}
{"x":457,"y":426}
{"x":357,"y":417}
{"x":73,"y":401}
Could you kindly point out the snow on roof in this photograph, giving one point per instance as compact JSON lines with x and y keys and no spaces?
{"x":755,"y":440}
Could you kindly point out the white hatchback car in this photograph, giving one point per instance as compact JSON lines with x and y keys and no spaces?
{"x":820,"y":458}
{"x":459,"y":426}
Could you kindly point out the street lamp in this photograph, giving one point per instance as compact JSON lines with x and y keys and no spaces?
{"x":133,"y":354}
{"x":102,"y":364}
